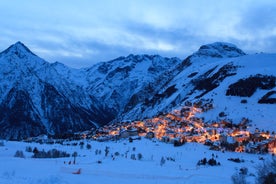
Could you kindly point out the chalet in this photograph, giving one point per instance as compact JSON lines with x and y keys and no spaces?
{"x":211,"y":131}
{"x":165,"y":139}
{"x":103,"y":138}
{"x":128,"y":133}
{"x":272,"y":146}
{"x":252,"y":149}
{"x":240,"y":149}
{"x":133,"y":132}
{"x":189,"y":138}
{"x":150,"y":135}
{"x":240,"y":138}
{"x":215,"y":124}
{"x":178,"y":141}
{"x":223,"y":138}
{"x":41,"y":138}
{"x":257,"y":137}
{"x":170,"y":133}
{"x":224,"y":124}
{"x":124,"y":134}
{"x":260,"y":147}
{"x":216,"y":146}
{"x":83,"y":134}
{"x":208,"y":142}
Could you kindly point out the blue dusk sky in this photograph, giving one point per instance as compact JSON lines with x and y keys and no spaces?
{"x":84,"y":32}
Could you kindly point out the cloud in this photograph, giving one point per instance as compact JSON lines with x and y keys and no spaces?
{"x":83,"y":33}
{"x":257,"y":27}
{"x":259,"y":18}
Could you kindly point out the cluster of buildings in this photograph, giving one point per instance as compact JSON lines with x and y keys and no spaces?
{"x":179,"y":127}
{"x":182,"y":126}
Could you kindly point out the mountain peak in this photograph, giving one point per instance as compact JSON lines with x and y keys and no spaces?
{"x":18,"y":49}
{"x":19,"y":44}
{"x":219,"y":50}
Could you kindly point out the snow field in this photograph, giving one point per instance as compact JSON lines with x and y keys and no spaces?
{"x":121,"y":168}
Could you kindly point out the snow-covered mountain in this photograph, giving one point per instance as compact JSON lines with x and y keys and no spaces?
{"x":126,"y":81}
{"x":239,"y":85}
{"x":39,"y":97}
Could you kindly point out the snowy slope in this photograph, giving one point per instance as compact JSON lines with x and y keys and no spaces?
{"x":180,"y":164}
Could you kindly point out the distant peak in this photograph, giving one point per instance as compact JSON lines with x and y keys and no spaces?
{"x":19,"y":46}
{"x":142,"y":56}
{"x":133,"y":57}
{"x":56,"y":63}
{"x":18,"y":49}
{"x":219,"y":50}
{"x":19,"y":43}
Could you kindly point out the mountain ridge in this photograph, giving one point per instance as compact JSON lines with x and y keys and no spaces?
{"x":62,"y":100}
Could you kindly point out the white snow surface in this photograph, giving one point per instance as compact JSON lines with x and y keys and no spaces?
{"x":123,"y":170}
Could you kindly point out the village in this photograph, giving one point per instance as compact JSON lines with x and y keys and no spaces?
{"x":181,"y":126}
{"x":177,"y":128}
